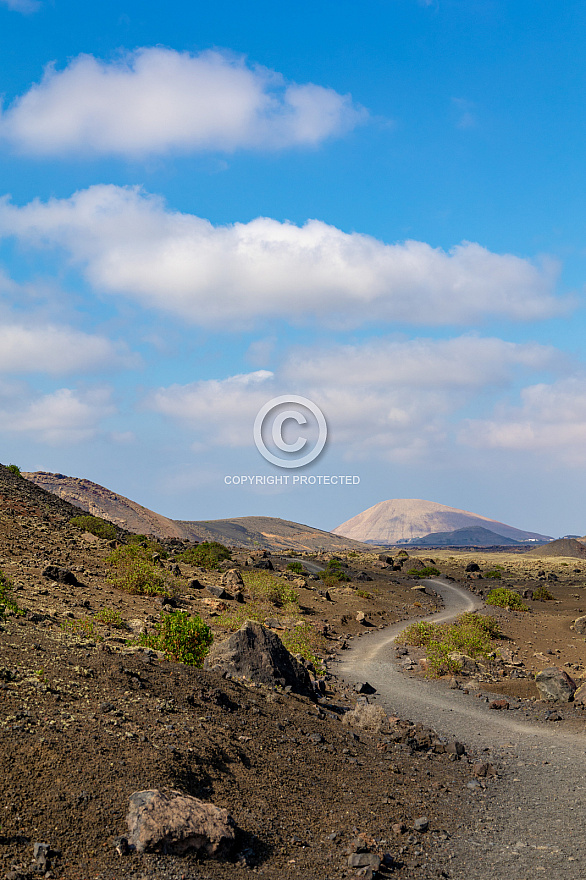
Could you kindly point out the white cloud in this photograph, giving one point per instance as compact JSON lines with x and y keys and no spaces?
{"x":222,"y":409}
{"x":24,"y":6}
{"x":157,"y":100}
{"x":390,"y":400}
{"x":127,"y":242}
{"x":61,"y":417}
{"x":464,"y":362}
{"x":551,"y":418}
{"x":57,"y":350}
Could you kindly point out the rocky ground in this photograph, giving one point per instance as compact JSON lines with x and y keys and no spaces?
{"x":86,"y":720}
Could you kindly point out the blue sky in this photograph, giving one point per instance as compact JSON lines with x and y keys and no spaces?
{"x":377,"y":207}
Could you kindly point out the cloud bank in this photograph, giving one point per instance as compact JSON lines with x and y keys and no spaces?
{"x":129,"y":243}
{"x":390,"y":400}
{"x":24,"y":6}
{"x":156,"y":100}
{"x":551,"y":418}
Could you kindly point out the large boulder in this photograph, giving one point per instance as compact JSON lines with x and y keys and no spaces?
{"x":555,"y":685}
{"x":258,"y":654}
{"x":580,"y":625}
{"x":168,"y":821}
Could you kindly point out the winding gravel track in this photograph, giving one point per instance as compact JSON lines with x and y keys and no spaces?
{"x":531,"y":822}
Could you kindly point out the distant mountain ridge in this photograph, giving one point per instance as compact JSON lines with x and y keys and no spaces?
{"x":256,"y":532}
{"x":400,"y":520}
{"x":472,"y":537}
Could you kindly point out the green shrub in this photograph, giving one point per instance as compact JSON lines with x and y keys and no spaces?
{"x":485,"y":624}
{"x":182,"y":638}
{"x":7,"y":601}
{"x":504,"y":598}
{"x":206,"y":555}
{"x":14,"y":469}
{"x":494,"y":574}
{"x":418,"y":634}
{"x":82,"y":627}
{"x":132,"y":570}
{"x":425,"y":572}
{"x":295,"y":567}
{"x":470,"y":634}
{"x":262,"y":585}
{"x":542,"y":594}
{"x":364,"y":594}
{"x":96,"y":526}
{"x":110,"y":617}
{"x":333,"y":573}
{"x":304,"y":640}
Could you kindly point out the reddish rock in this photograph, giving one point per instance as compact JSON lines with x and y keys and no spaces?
{"x":168,"y":821}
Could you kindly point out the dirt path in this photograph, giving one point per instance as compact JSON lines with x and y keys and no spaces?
{"x":531,"y":822}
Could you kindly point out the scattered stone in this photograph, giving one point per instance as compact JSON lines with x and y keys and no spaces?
{"x":121,"y":846}
{"x":364,"y":688}
{"x":553,"y":716}
{"x":233,"y":578}
{"x":580,"y":695}
{"x":364,"y":860}
{"x":258,"y":654}
{"x":472,"y":566}
{"x":385,"y":558}
{"x":265,"y":564}
{"x":580,"y":625}
{"x":399,"y":828}
{"x":455,"y":748}
{"x":61,"y":575}
{"x":483,"y":769}
{"x":361,"y":617}
{"x":499,"y":704}
{"x":218,"y":592}
{"x":454,"y":685}
{"x":165,"y":820}
{"x":555,"y":685}
{"x":421,"y":824}
{"x":467,"y":664}
{"x":194,"y":584}
{"x":528,"y":594}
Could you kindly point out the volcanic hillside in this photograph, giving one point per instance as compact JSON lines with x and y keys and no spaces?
{"x":260,"y":532}
{"x":403,"y":519}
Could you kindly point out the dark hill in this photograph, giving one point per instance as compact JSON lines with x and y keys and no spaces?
{"x":473,"y":537}
{"x":561,"y":547}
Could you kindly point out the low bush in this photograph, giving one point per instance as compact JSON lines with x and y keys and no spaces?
{"x":132,"y":570}
{"x":264,"y":586}
{"x":304,"y":640}
{"x":503,"y":598}
{"x":295,"y":567}
{"x":471,"y":634}
{"x":96,"y":526}
{"x":82,"y":627}
{"x":364,"y":594}
{"x":333,"y":573}
{"x":7,"y":600}
{"x":494,"y":574}
{"x":542,"y":594}
{"x":365,"y":716}
{"x":208,"y":555}
{"x":14,"y":469}
{"x":110,"y":617}
{"x":425,"y":572}
{"x":180,"y":637}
